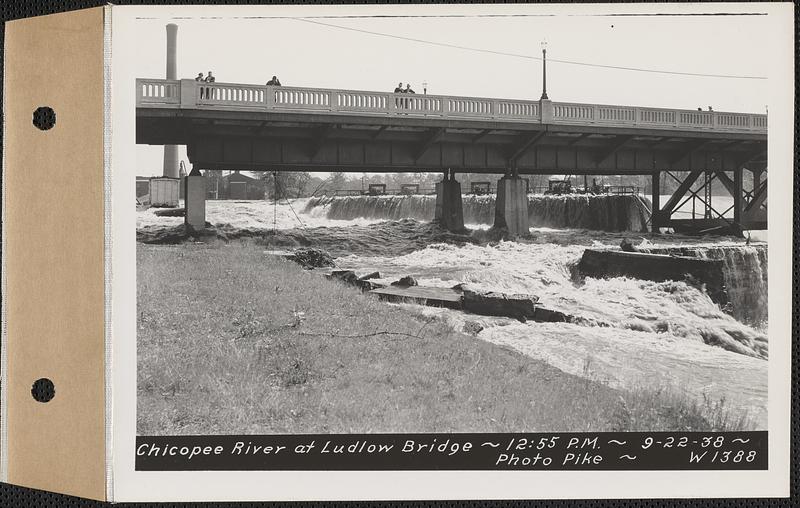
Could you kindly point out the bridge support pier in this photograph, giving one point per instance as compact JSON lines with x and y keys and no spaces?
{"x":195,"y":200}
{"x":656,"y":218}
{"x":449,"y":209}
{"x":511,"y":205}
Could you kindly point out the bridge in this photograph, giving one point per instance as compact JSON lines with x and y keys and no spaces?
{"x":274,"y":128}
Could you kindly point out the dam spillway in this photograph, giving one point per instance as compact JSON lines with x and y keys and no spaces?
{"x":744,"y":268}
{"x":580,"y":211}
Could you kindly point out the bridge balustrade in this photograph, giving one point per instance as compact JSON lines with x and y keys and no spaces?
{"x":518,"y":109}
{"x":698,"y":119}
{"x":566,"y":111}
{"x":233,"y":95}
{"x":158,"y":92}
{"x":733,"y":120}
{"x":657,"y":116}
{"x":615,"y":114}
{"x":189,"y":93}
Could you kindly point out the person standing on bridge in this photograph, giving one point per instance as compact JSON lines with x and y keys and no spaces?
{"x":209,"y":79}
{"x":200,"y":79}
{"x":408,"y":90}
{"x":274,"y":81}
{"x":399,"y":89}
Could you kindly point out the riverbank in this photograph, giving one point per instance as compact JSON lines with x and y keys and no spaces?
{"x":233,"y":340}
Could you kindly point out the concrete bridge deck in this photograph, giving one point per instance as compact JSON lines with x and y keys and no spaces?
{"x":189,"y":94}
{"x":269,"y":128}
{"x":232,"y":126}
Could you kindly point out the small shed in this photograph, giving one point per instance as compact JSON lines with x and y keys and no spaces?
{"x":241,"y":186}
{"x":164,"y":191}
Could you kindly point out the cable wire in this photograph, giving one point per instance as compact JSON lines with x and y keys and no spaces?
{"x":529,"y":57}
{"x":299,"y":220}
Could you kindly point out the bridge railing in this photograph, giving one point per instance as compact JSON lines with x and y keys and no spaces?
{"x":191,"y":94}
{"x":296,"y":98}
{"x":157,"y":91}
{"x":629,"y":116}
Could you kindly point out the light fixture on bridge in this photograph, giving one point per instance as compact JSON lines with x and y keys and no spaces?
{"x":544,"y":71}
{"x":425,"y":87}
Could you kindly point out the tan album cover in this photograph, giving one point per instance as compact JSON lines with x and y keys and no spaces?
{"x":396,"y":252}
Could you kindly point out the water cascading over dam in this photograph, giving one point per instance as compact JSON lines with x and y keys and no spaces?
{"x":597,"y":212}
{"x":745,"y":274}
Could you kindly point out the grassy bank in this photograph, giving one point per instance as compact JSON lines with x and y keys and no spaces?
{"x":232,"y":340}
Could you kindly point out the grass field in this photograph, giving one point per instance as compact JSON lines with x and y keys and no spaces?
{"x":233,"y":340}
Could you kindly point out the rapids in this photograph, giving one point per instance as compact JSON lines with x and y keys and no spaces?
{"x":631,"y":333}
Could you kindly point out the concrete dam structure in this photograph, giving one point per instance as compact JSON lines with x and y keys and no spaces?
{"x":595,"y":212}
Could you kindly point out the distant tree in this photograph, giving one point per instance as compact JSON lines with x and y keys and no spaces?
{"x":286,"y":184}
{"x":338,"y":181}
{"x":215,"y":185}
{"x":301,"y":180}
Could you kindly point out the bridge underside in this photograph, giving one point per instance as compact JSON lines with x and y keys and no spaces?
{"x":309,"y":142}
{"x":288,"y":141}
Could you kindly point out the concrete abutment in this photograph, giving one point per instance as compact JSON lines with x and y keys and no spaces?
{"x":449,"y":207}
{"x":511,"y":206}
{"x":195,"y":200}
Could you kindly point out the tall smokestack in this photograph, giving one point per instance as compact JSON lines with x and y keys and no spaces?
{"x":172,"y":51}
{"x":171,"y":151}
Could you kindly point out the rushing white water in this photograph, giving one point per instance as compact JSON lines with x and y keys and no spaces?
{"x":602,"y":212}
{"x":629,"y":332}
{"x":252,"y":215}
{"x":745,"y":272}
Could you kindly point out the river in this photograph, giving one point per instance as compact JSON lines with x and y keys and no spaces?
{"x":632,"y":333}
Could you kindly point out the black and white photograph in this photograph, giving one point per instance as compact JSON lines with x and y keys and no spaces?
{"x":399,"y":252}
{"x":443,"y":220}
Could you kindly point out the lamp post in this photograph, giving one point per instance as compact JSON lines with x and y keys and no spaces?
{"x":544,"y":71}
{"x":425,"y":87}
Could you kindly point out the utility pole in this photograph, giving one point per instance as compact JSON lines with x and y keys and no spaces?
{"x":544,"y":71}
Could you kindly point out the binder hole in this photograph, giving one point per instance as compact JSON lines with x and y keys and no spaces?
{"x":43,"y":390}
{"x":44,"y":118}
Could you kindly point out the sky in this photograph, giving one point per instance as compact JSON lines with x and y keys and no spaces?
{"x":249,"y":45}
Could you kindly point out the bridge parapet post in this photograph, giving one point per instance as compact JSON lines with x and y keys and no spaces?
{"x":547,"y":110}
{"x":333,"y":100}
{"x":189,"y":93}
{"x":269,"y":97}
